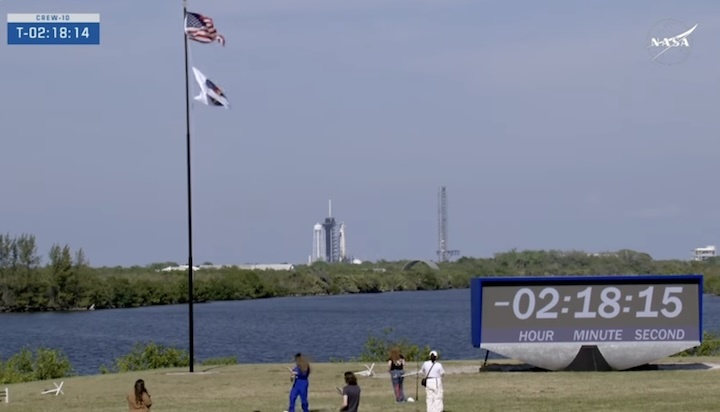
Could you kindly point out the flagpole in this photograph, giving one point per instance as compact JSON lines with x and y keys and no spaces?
{"x":189,"y":200}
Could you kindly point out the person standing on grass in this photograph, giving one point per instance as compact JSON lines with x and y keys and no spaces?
{"x":299,"y":377}
{"x":350,"y":394}
{"x":396,"y":365}
{"x":434,"y":372}
{"x":139,"y":398}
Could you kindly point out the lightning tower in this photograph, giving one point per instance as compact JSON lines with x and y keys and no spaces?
{"x":443,"y":252}
{"x":318,"y":251}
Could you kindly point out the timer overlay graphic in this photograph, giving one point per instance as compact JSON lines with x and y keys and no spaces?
{"x":53,"y":29}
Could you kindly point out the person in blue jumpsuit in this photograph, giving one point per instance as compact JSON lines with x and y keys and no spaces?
{"x":300,"y":374}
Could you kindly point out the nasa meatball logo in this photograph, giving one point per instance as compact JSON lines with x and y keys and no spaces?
{"x":669,"y":42}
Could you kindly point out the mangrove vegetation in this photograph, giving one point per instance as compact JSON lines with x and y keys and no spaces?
{"x":64,"y":280}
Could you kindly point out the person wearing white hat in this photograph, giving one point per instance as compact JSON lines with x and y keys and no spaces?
{"x":433,"y":372}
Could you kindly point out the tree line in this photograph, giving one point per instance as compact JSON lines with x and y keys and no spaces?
{"x":65,"y":280}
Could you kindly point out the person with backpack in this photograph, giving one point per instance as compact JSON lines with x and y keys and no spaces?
{"x":433,"y":372}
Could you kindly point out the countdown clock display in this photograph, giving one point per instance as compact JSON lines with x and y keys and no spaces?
{"x":53,"y":28}
{"x":546,"y":321}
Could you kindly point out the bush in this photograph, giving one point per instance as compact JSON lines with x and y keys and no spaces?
{"x":228,"y":360}
{"x":710,"y":346}
{"x":51,"y":364}
{"x":26,"y":366}
{"x":149,"y":356}
{"x":377,"y":348}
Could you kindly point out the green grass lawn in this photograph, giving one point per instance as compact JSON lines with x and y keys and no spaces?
{"x":265,"y":387}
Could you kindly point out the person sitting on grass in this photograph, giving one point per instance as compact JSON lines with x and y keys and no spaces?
{"x":139,"y":398}
{"x":350,"y":393}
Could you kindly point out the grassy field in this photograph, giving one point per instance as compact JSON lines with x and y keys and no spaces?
{"x":265,"y":388}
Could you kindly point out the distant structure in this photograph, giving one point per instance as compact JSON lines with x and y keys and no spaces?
{"x":331,"y":237}
{"x":343,"y":245}
{"x":246,"y":266}
{"x":409,"y":265}
{"x":443,"y":252}
{"x":177,"y":268}
{"x":703,"y":253}
{"x":318,"y":251}
{"x":329,"y":243}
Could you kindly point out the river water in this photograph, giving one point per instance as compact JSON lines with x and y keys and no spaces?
{"x":265,"y":330}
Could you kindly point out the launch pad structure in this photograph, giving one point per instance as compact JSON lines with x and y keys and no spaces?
{"x":329,"y":240}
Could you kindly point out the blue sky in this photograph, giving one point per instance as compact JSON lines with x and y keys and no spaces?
{"x":547,"y":121}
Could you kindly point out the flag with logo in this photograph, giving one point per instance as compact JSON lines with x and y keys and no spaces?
{"x":210,"y":93}
{"x":202,"y":29}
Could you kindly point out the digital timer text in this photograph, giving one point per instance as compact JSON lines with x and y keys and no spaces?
{"x":545,"y":305}
{"x":54,"y":32}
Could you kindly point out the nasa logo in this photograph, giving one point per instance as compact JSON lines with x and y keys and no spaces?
{"x":668,"y":42}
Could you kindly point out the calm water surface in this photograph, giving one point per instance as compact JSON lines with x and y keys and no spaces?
{"x":268,"y":330}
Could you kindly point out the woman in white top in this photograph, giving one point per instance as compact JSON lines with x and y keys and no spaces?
{"x":433,"y":372}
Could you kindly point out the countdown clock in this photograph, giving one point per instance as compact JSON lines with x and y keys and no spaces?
{"x":546,"y":321}
{"x":53,"y":28}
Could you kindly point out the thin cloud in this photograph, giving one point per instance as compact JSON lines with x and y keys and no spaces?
{"x":659,"y":212}
{"x":270,"y":7}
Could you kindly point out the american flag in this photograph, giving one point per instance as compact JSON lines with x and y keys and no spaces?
{"x":201,"y":29}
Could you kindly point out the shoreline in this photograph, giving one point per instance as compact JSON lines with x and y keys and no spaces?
{"x":196,"y":302}
{"x":297,"y":295}
{"x":452,"y":367}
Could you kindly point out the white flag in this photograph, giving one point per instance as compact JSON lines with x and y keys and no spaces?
{"x":210,"y":94}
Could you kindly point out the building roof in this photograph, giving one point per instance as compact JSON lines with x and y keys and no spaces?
{"x":252,"y":266}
